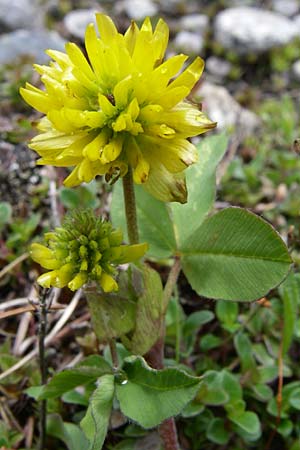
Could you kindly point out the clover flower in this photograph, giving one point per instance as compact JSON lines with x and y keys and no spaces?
{"x":120,"y":107}
{"x":84,"y":249}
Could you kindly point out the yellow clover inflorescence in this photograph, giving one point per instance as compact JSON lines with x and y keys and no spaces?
{"x":120,"y":107}
{"x":84,"y":249}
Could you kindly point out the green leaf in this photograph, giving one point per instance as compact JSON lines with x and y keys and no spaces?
{"x":95,"y":422}
{"x":244,"y":349}
{"x":294,"y":399}
{"x":201,"y":186}
{"x":192,"y":325}
{"x":155,"y":225}
{"x":262,"y":392}
{"x":148,"y":314}
{"x":227,"y":312}
{"x":246,"y":420}
{"x":150,"y":396}
{"x":290,"y":293}
{"x":5,"y":213}
{"x":69,"y":433}
{"x":87,"y":371}
{"x":112,"y":315}
{"x":235,"y":255}
{"x":210,"y":341}
{"x":212,"y":391}
{"x":217,"y":432}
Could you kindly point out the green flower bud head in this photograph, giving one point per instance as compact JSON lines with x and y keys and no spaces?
{"x":84,"y":249}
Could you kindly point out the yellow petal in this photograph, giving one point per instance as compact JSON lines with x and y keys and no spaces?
{"x":78,"y":281}
{"x":187,"y":120}
{"x":93,"y":49}
{"x":47,"y":279}
{"x":79,"y":60}
{"x":85,"y":172}
{"x":112,"y":150}
{"x":161,"y":39}
{"x":130,"y":36}
{"x":166,"y":186}
{"x":73,"y":179}
{"x":141,"y":171}
{"x":106,"y":106}
{"x":190,"y":75}
{"x":132,"y":253}
{"x":38,"y":99}
{"x":93,"y":150}
{"x":107,"y":283}
{"x":106,"y":28}
{"x":171,"y":96}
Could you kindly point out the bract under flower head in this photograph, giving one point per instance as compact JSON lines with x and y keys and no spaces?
{"x":84,"y":249}
{"x":120,"y":107}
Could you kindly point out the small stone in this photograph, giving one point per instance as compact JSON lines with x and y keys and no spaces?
{"x":222,"y":108}
{"x":29,"y":43}
{"x":194,"y":22}
{"x":218,"y":67}
{"x":138,"y":9}
{"x":188,"y":42}
{"x":286,"y":7}
{"x":15,"y":14}
{"x":296,"y":70}
{"x":253,"y":30}
{"x":77,"y":21}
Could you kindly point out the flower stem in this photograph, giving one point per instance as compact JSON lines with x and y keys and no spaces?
{"x":114,"y":353}
{"x":155,"y":357}
{"x":43,"y":366}
{"x":130,"y":208}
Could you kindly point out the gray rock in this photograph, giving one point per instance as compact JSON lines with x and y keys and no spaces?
{"x":77,"y":21}
{"x":218,"y":67}
{"x":24,"y":42}
{"x":286,"y":7}
{"x":247,"y":30}
{"x":296,"y":70}
{"x":16,"y":14}
{"x":296,"y":21}
{"x":138,"y":9}
{"x":194,"y":22}
{"x":189,"y":42}
{"x":222,"y":108}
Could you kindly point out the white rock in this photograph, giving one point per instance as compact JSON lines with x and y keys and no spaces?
{"x":222,"y":108}
{"x":76,"y":21}
{"x":16,"y":14}
{"x":24,"y":42}
{"x":189,"y":42}
{"x":296,"y":70}
{"x":248,"y":30}
{"x":296,"y":21}
{"x":286,"y":7}
{"x":139,"y":9}
{"x":194,"y":22}
{"x":218,"y":67}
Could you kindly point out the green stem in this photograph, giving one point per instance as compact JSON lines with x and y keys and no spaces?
{"x":130,"y":208}
{"x":155,"y":357}
{"x":171,"y":283}
{"x":43,"y":366}
{"x":114,"y":353}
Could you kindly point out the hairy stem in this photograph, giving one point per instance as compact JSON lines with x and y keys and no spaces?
{"x":43,"y":367}
{"x":130,"y":208}
{"x":155,"y":357}
{"x":114,"y":353}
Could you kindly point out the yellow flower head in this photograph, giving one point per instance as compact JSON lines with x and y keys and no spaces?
{"x":120,"y":107}
{"x":84,"y":249}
